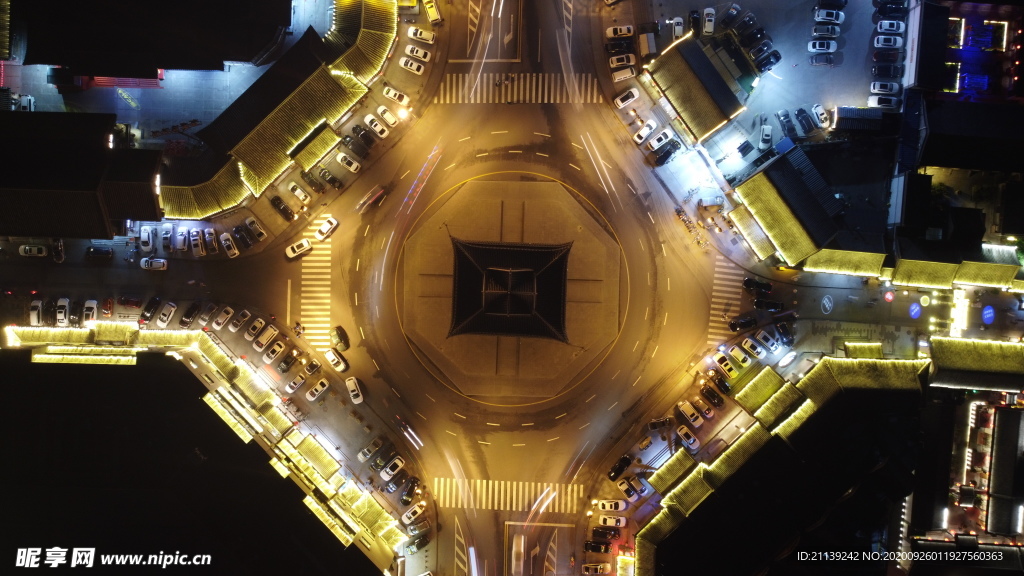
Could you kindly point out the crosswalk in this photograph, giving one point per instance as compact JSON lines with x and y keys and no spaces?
{"x":493,"y":88}
{"x":507,"y":495}
{"x":315,"y":289}
{"x":726,"y":292}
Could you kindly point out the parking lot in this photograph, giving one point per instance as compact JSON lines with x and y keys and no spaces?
{"x":794,"y":83}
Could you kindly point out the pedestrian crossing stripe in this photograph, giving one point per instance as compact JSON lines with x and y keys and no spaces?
{"x":507,"y":495}
{"x":726,"y":291}
{"x":494,"y":88}
{"x":315,"y":291}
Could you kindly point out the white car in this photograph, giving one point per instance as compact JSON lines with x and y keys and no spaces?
{"x":153,"y":264}
{"x":891,"y":27}
{"x":317,"y":390}
{"x":617,"y":521}
{"x":626,"y":97}
{"x":883,"y":102}
{"x":417,"y":53}
{"x":387,"y":116}
{"x":888,"y":42}
{"x":210,"y":236}
{"x":822,"y":46}
{"x":255,"y":328}
{"x":689,"y":440}
{"x":229,"y":245}
{"x":353,"y":390}
{"x":765,"y":141}
{"x":627,"y":490}
{"x":89,"y":311}
{"x":299,"y":192}
{"x":335,"y":360}
{"x":242,"y":317}
{"x":411,"y":65}
{"x":413,"y":513}
{"x":709,"y":21}
{"x":753,"y":349}
{"x":296,"y":383}
{"x":829,"y":16}
{"x":392,"y":94}
{"x":612,"y":505}
{"x":645,"y":131}
{"x":166,"y":314}
{"x":389,"y":471}
{"x":725,"y":365}
{"x":421,"y":35}
{"x":223,"y":317}
{"x":370,"y":449}
{"x":347,"y":161}
{"x":767,"y":341}
{"x":618,"y":32}
{"x":273,"y":352}
{"x":33,"y":250}
{"x":820,"y":117}
{"x":659,"y":140}
{"x":597,"y":568}
{"x":622,"y":60}
{"x":376,"y":126}
{"x":678,"y":28}
{"x":63,"y":306}
{"x":326,"y":229}
{"x":742,"y":359}
{"x":146,"y":239}
{"x":885,"y":88}
{"x":299,"y":248}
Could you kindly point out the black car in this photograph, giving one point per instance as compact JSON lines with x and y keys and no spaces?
{"x":730,"y":17}
{"x":695,"y":21}
{"x":760,"y":50}
{"x":712,"y":396}
{"x":241,"y":234}
{"x":75,"y":313}
{"x":594,"y":546}
{"x":887,"y":71}
{"x":768,"y":61}
{"x":282,"y":208}
{"x":356,"y":148}
{"x":417,"y":545}
{"x":288,"y":361}
{"x":618,"y":47}
{"x":768,"y":305}
{"x":886,"y":56}
{"x":99,"y":254}
{"x":190,"y":314}
{"x":892,"y":11}
{"x":754,"y":37}
{"x":606,"y":532}
{"x":364,"y":136}
{"x":410,"y":491}
{"x":339,"y":338}
{"x":742,"y":323}
{"x":831,"y":4}
{"x":312,"y":367}
{"x":313,"y":183}
{"x":207,"y":312}
{"x":755,"y":285}
{"x":57,"y":250}
{"x":658,"y":424}
{"x":806,"y":123}
{"x":397,"y":481}
{"x":330,"y":178}
{"x":719,"y":381}
{"x":749,"y":22}
{"x":822,"y":60}
{"x":130,"y":301}
{"x":619,"y":468}
{"x":786,"y":122}
{"x":383,"y":458}
{"x":666,"y":153}
{"x":785,"y":334}
{"x":150,"y":309}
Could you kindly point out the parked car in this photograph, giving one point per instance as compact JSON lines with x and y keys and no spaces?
{"x":689,"y":440}
{"x":242,"y":236}
{"x":820,"y":117}
{"x":825,"y":31}
{"x":347,"y":161}
{"x":753,"y":349}
{"x":418,"y":528}
{"x":386,"y":114}
{"x":239,"y":320}
{"x":421,"y":35}
{"x":597,"y":568}
{"x":702,"y":407}
{"x":147,"y":313}
{"x":888,"y":42}
{"x":725,"y":365}
{"x":283,"y":209}
{"x":417,"y":544}
{"x":613,"y":505}
{"x":299,"y":248}
{"x":709,"y":22}
{"x":628,"y":491}
{"x":273,"y":352}
{"x":822,"y":46}
{"x":829,"y":16}
{"x":597,"y":547}
{"x":613,"y":522}
{"x":411,"y":65}
{"x":785,"y":334}
{"x":210,"y":236}
{"x":619,"y":467}
{"x":876,"y":101}
{"x":354,"y":392}
{"x":129,"y":301}
{"x":339,"y":338}
{"x":400,"y":97}
{"x":788,"y":128}
{"x":99,"y":254}
{"x":417,"y":53}
{"x":330,"y":178}
{"x":622,"y":60}
{"x":619,"y":47}
{"x":90,"y":311}
{"x":690,"y":413}
{"x":887,"y":71}
{"x":413,"y":513}
{"x":760,"y":50}
{"x":758,"y":286}
{"x":108,"y":308}
{"x":626,"y":97}
{"x":891,"y":27}
{"x":886,"y":56}
{"x":667,"y":152}
{"x":712,"y":396}
{"x":336,"y":360}
{"x":892,"y":11}
{"x":730,"y":16}
{"x":256,"y":228}
{"x":806,"y":122}
{"x":742,"y":323}
{"x":768,"y":61}
{"x":885,"y":88}
{"x":166,"y":314}
{"x":769,"y":305}
{"x":146,"y":239}
{"x":412,"y":490}
{"x":822,"y":60}
{"x":153,"y":264}
{"x":659,"y":140}
{"x":317,"y":390}
{"x":645,"y":131}
{"x":392,"y":468}
{"x":229,"y":245}
{"x":189,"y":316}
{"x":754,"y":37}
{"x":678,"y":28}
{"x":255,"y":328}
{"x":618,"y":32}
{"x":767,"y":340}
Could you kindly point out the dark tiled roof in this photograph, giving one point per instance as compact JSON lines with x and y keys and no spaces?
{"x":509,"y":289}
{"x":805,"y":192}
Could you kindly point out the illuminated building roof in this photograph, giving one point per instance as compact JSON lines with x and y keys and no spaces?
{"x":863,"y":349}
{"x":845,"y":262}
{"x":956,"y":358}
{"x":776,"y":219}
{"x":924,"y":274}
{"x":752,"y":232}
{"x":760,"y":388}
{"x":986,"y":274}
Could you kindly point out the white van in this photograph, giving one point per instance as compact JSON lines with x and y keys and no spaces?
{"x":648,"y":47}
{"x":433,"y":13}
{"x":268,"y":334}
{"x":623,"y":74}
